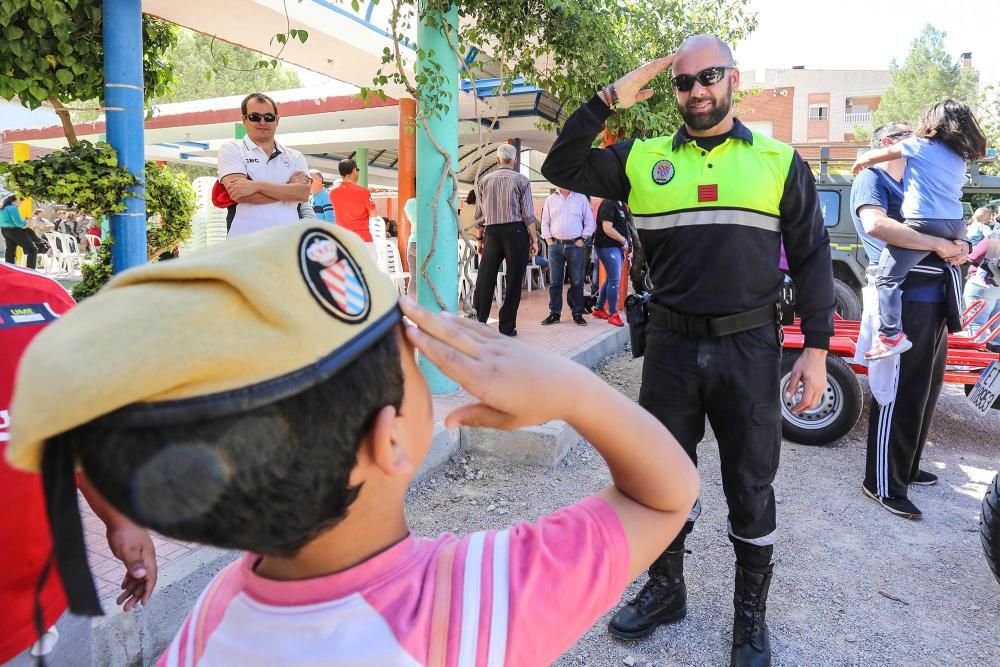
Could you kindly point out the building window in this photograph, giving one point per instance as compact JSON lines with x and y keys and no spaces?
{"x":819,"y":112}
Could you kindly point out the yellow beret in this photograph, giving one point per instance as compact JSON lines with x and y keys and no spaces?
{"x":241,"y":324}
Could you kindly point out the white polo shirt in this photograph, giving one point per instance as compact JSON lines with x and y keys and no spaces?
{"x":245,"y":157}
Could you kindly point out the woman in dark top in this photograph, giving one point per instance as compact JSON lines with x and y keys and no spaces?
{"x":610,"y":244}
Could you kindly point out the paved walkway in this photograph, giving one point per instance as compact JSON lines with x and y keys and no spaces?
{"x":564,"y":338}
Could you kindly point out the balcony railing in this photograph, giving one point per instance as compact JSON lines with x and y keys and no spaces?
{"x":853,"y":119}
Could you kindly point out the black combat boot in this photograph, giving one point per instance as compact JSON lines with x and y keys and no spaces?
{"x":662,"y":600}
{"x":751,"y":642}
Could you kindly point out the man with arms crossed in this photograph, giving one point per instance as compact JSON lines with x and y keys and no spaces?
{"x":266,"y":180}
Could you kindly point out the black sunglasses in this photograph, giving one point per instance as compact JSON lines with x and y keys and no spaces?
{"x":900,"y":133}
{"x":256,"y":117}
{"x":706,"y":77}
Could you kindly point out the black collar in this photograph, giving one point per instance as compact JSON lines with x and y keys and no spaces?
{"x":739,"y":131}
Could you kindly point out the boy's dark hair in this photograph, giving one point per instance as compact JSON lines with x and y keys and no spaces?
{"x":951,"y":122}
{"x":10,"y":199}
{"x":347,"y":167}
{"x":259,"y":97}
{"x":268,"y":480}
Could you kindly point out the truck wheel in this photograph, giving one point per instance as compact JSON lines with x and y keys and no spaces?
{"x":838,"y":411}
{"x":848,"y":303}
{"x":989,"y":526}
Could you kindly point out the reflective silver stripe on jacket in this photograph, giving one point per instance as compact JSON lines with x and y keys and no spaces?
{"x":711,"y":217}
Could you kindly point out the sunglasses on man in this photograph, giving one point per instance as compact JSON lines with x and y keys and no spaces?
{"x":706,"y":77}
{"x":900,"y":134}
{"x":257,"y":117}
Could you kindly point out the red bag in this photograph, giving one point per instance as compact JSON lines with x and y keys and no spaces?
{"x":220,"y":196}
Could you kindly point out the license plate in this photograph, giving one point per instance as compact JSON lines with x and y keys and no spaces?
{"x":985,"y":393}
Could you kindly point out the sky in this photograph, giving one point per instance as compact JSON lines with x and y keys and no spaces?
{"x":868,"y":34}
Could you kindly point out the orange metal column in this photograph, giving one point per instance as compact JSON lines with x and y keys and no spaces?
{"x":407,"y":183}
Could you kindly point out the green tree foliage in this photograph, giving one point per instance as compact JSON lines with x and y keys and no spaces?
{"x":170,"y":201}
{"x":85,"y":176}
{"x":52,"y":51}
{"x":570,"y":48}
{"x":928,"y":75}
{"x":208,"y":67}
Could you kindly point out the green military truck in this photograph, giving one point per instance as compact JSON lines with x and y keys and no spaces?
{"x":849,"y":258}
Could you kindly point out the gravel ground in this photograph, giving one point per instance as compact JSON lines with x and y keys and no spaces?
{"x":853,"y":585}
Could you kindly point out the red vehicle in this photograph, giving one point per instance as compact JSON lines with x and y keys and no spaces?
{"x":841,"y":406}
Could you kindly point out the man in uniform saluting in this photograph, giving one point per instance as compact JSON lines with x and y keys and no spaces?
{"x":711,"y":205}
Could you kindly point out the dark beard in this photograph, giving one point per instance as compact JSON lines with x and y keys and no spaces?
{"x":707,"y":120}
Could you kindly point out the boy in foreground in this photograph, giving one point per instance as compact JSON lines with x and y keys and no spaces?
{"x":286,"y":417}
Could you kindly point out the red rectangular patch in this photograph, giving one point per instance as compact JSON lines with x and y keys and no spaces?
{"x":708,"y":193}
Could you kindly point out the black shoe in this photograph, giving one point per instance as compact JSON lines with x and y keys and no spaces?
{"x":578,"y":319}
{"x":551,"y":319}
{"x":924,"y":478}
{"x":898,"y":506}
{"x":751,"y":639}
{"x":662,"y":600}
{"x":512,"y":334}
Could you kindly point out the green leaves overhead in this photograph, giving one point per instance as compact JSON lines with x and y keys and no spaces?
{"x":54,"y":49}
{"x":928,"y":75}
{"x":570,"y":48}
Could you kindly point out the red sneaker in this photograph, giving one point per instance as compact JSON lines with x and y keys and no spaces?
{"x":615,"y":320}
{"x":887,"y":346}
{"x":600,"y":313}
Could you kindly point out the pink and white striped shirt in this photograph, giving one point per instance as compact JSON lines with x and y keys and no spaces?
{"x":519,"y":597}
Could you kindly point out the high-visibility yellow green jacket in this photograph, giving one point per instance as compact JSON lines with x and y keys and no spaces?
{"x":711,"y":217}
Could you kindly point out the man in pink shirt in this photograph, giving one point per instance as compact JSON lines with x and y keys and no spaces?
{"x":294,"y":432}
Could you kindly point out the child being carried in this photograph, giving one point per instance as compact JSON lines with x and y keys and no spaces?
{"x":947,"y":137}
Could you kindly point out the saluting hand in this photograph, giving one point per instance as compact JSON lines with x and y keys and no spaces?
{"x":631,"y":87}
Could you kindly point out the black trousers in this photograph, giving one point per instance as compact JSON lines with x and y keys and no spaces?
{"x":508,"y":242}
{"x":19,"y":236}
{"x":898,"y":431}
{"x":734,"y":381}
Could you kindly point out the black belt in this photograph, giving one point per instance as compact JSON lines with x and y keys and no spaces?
{"x":703,"y":326}
{"x":566,"y":241}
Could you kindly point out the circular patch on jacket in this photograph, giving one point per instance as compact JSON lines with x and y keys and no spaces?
{"x":334,"y":277}
{"x":663,"y":171}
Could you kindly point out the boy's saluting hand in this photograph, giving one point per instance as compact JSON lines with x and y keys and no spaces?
{"x":655,"y":483}
{"x":517,"y":384}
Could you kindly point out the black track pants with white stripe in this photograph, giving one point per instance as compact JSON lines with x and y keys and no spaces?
{"x":897,"y":431}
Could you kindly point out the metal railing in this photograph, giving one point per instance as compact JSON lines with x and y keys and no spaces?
{"x":852,"y":119}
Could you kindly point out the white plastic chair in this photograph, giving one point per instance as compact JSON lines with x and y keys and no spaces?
{"x":92,"y":242}
{"x":389,"y":254}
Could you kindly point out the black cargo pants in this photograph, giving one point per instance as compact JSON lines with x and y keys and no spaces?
{"x":734,"y":381}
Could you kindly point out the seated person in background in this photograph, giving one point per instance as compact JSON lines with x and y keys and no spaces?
{"x":294,"y":432}
{"x":319,"y":198}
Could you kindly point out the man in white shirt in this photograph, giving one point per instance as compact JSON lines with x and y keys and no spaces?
{"x":265,"y":179}
{"x":567,"y":223}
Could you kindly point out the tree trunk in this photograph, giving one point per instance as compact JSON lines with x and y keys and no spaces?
{"x":67,"y":122}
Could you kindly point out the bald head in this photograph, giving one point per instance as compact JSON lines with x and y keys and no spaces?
{"x":704,"y":46}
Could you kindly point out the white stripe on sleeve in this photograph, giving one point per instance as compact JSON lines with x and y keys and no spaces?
{"x":501,"y":591}
{"x":471,"y":601}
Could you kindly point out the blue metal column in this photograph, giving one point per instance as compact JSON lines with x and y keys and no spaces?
{"x":443,"y":268}
{"x":123,"y":97}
